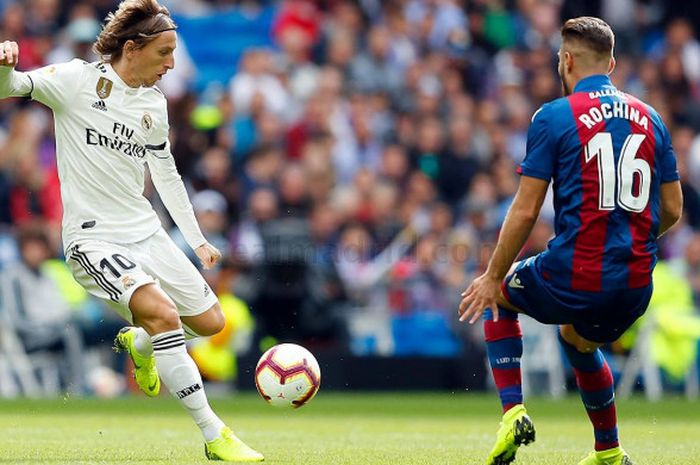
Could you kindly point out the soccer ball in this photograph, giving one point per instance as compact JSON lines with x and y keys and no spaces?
{"x":287,"y":375}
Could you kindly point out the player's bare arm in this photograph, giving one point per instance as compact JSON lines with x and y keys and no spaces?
{"x":485,"y":291}
{"x":671,"y":205}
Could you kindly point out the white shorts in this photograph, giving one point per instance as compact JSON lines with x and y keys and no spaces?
{"x":114,"y":271}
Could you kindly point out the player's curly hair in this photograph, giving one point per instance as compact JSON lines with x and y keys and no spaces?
{"x":138,"y":20}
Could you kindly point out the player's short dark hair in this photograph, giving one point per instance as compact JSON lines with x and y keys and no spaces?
{"x":592,"y":32}
{"x":137,"y":20}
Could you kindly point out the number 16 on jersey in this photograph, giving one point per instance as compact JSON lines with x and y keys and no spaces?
{"x":600,"y":147}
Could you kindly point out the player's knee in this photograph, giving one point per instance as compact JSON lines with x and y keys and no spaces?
{"x":214,"y":323}
{"x":586,"y":348}
{"x":582,"y":345}
{"x":217,"y":320}
{"x":168,"y":318}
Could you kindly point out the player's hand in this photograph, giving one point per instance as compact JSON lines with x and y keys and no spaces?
{"x":208,"y":255}
{"x":9,"y":53}
{"x":483,"y":293}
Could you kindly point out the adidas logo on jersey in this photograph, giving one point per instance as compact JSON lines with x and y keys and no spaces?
{"x":100,"y":105}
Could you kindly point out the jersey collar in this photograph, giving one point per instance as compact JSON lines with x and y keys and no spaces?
{"x":595,"y":82}
{"x":118,"y":80}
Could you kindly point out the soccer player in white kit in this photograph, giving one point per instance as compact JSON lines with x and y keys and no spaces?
{"x":110,"y":122}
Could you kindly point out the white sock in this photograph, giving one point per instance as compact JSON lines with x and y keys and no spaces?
{"x":180,"y":374}
{"x":142,"y":342}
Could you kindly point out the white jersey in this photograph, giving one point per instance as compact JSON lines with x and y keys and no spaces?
{"x":106,"y":133}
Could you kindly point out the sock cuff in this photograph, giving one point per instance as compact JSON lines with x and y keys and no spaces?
{"x":504,"y":328}
{"x":168,"y":340}
{"x":507,"y":314}
{"x":503,"y":314}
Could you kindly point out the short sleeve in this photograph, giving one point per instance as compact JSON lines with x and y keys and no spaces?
{"x":539,"y":159}
{"x":668,"y":171}
{"x":56,"y":85}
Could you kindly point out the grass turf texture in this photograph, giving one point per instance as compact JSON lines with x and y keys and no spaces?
{"x":357,"y":429}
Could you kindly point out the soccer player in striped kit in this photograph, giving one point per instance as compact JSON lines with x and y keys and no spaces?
{"x":111,"y":121}
{"x":616,"y":190}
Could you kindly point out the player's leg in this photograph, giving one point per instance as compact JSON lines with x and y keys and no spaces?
{"x":157,"y":314}
{"x":504,"y":347}
{"x":596,"y":386}
{"x":205,"y":324}
{"x":110,"y":272}
{"x":194,"y":304}
{"x":115,"y":273}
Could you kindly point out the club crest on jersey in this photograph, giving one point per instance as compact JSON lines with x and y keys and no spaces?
{"x":103,"y":88}
{"x":146,"y":122}
{"x":128,"y":281}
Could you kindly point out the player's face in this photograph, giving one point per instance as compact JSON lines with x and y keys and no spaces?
{"x":155,"y":59}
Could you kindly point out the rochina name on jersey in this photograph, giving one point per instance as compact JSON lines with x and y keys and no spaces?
{"x":132,"y":149}
{"x":617,"y":109}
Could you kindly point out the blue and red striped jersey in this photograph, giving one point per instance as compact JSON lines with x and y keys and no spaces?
{"x":607,"y":154}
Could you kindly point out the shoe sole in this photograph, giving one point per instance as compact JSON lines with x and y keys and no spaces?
{"x":523,"y":434}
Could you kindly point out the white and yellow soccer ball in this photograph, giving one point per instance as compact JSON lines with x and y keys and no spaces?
{"x":287,"y":375}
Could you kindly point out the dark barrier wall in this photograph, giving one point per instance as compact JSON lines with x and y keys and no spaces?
{"x":346,"y":372}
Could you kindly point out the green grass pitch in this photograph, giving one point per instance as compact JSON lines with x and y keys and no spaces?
{"x":357,"y":429}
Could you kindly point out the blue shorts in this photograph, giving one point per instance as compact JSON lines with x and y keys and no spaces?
{"x":597,"y":316}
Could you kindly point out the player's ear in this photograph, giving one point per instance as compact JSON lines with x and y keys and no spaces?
{"x":611,"y":65}
{"x":129,"y":47}
{"x":568,"y":61}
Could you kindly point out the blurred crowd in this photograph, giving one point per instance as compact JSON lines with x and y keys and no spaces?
{"x":356,"y":167}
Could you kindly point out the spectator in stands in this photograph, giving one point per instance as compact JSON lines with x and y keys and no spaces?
{"x":35,"y":194}
{"x":210,"y":210}
{"x":256,"y":80}
{"x":371,"y":70}
{"x":34,"y":307}
{"x":214,"y":172}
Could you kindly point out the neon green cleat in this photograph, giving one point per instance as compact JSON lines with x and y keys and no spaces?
{"x":145,"y":371}
{"x":516,"y":430}
{"x":614,"y":456}
{"x":229,"y":448}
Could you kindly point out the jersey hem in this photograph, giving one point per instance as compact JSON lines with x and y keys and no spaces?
{"x":78,"y":240}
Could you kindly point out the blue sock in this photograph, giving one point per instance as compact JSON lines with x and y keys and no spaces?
{"x":504,"y":346}
{"x":595,"y":383}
